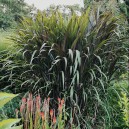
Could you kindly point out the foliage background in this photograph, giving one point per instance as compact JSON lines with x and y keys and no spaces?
{"x":58,"y":55}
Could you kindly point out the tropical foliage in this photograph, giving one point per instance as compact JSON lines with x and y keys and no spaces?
{"x":5,"y":97}
{"x":74,"y":60}
{"x":78,"y":57}
{"x":8,"y":123}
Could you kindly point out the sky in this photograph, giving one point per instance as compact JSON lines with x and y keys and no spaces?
{"x":43,"y":4}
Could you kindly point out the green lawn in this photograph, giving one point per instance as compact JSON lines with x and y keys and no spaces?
{"x":5,"y":42}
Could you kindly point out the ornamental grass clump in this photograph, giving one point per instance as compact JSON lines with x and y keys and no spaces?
{"x":37,"y":114}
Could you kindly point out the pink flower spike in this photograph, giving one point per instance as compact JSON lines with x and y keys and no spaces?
{"x":31,"y":105}
{"x":59,"y":100}
{"x":60,"y":108}
{"x":21,"y":108}
{"x":23,"y":100}
{"x":38,"y":98}
{"x":30,"y":96}
{"x":38,"y":104}
{"x":54,"y":120}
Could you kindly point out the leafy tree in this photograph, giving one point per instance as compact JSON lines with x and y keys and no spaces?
{"x":12,"y":11}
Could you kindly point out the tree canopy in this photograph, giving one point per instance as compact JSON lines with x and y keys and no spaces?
{"x":12,"y":11}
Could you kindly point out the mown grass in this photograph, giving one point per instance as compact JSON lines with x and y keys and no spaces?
{"x":5,"y":42}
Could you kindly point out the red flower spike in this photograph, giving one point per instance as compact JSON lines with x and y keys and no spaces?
{"x":29,"y":104}
{"x":38,"y":102}
{"x":42,"y":115}
{"x":54,"y":120}
{"x":51,"y":113}
{"x":59,"y":100}
{"x":60,"y":107}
